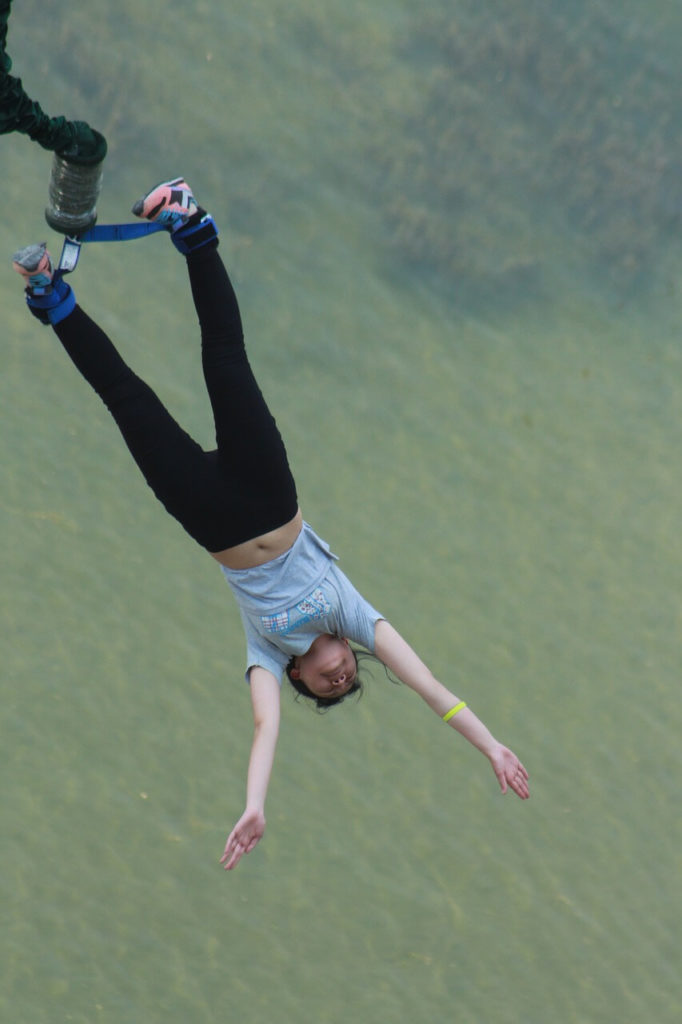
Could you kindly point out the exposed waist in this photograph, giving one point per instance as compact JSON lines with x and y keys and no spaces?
{"x":260,"y":550}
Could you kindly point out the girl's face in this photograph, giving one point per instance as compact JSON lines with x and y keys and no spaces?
{"x":328,"y":668}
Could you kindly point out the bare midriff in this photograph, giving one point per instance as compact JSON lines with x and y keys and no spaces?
{"x":261,"y":549}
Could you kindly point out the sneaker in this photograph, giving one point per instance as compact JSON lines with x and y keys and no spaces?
{"x":171,"y":203}
{"x":48,"y":296}
{"x":34,"y":263}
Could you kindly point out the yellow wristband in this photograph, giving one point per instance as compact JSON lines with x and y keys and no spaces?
{"x":453,"y":711}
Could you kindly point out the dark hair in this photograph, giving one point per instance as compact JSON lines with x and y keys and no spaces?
{"x":325,"y":703}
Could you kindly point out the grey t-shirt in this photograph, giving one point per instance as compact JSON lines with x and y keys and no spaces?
{"x":288,"y":602}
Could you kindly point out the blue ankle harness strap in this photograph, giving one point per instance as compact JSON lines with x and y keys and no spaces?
{"x":120,"y":232}
{"x":198,"y":231}
{"x":187,"y":238}
{"x":53,"y":303}
{"x":102,"y":233}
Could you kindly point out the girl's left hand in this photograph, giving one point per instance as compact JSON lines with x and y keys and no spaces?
{"x":510,"y":772}
{"x":243,"y":837}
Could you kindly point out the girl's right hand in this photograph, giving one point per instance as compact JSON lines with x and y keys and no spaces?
{"x":243,"y":837}
{"x":509,"y":771}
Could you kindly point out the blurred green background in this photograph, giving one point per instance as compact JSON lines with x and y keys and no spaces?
{"x":454,"y":231}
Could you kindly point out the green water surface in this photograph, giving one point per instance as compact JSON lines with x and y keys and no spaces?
{"x":459,"y":284}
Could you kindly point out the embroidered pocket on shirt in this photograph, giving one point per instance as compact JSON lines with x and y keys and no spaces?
{"x":276,"y":623}
{"x":314,"y":606}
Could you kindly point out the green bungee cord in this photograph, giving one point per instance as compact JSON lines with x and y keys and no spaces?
{"x":75,"y":141}
{"x":78,"y":149}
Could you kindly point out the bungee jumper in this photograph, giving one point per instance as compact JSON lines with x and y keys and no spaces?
{"x":239,"y":502}
{"x":75,"y":141}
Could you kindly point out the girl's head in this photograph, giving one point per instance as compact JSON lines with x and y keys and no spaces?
{"x":327,"y":672}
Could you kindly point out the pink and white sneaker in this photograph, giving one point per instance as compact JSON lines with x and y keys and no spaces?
{"x":34,"y":263}
{"x":171,"y":203}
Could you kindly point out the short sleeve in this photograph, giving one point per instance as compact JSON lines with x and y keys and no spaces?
{"x":356,"y":616}
{"x":261,"y":652}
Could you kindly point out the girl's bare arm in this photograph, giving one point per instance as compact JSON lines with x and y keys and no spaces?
{"x":399,"y":657}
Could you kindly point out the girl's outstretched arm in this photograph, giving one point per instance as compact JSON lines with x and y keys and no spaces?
{"x":399,"y":657}
{"x":265,"y":700}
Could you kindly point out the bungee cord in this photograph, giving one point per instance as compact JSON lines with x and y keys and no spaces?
{"x":76,"y":175}
{"x":75,"y":141}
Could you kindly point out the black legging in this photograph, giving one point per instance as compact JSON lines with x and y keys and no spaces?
{"x":242,"y":489}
